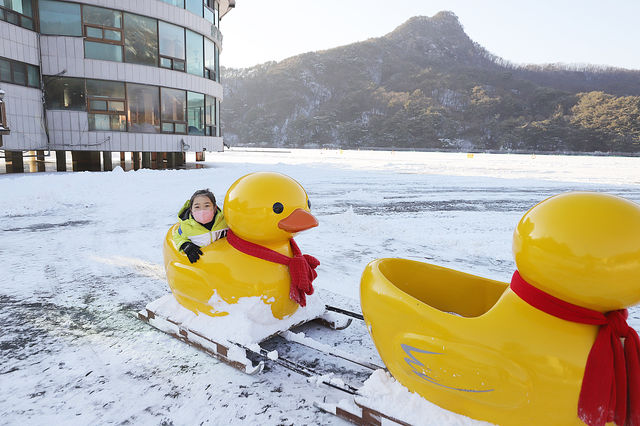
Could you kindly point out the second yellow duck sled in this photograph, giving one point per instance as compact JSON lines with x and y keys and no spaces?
{"x":486,"y":349}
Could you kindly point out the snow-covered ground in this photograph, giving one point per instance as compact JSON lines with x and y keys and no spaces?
{"x":81,"y":251}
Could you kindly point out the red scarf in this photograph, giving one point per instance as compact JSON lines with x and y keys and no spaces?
{"x":301,"y":266}
{"x":611,"y":383}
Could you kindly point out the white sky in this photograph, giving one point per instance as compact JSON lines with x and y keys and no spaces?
{"x":532,"y":31}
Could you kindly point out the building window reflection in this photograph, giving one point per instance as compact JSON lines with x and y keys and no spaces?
{"x":174,"y":107}
{"x":177,"y":3}
{"x":143,"y":110}
{"x":195,"y":53}
{"x":64,"y":93}
{"x":195,"y":113}
{"x":209,"y":60}
{"x":59,"y":18}
{"x":102,"y":29}
{"x":172,"y":46}
{"x":106,"y":105}
{"x":16,"y":72}
{"x":210,"y":116}
{"x":17,"y":12}
{"x":140,"y":40}
{"x":194,"y":6}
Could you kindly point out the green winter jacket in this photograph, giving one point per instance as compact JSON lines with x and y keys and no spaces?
{"x":191,"y":230}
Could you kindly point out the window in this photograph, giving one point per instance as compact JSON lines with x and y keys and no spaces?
{"x":194,"y":6}
{"x":195,"y":54}
{"x":217,"y":61}
{"x":211,"y":11}
{"x":106,"y":103}
{"x":210,"y":116}
{"x":195,"y":113}
{"x":103,"y":33}
{"x":64,"y":93}
{"x":19,"y":73}
{"x":33,"y":76}
{"x":140,"y":40}
{"x":143,"y":108}
{"x":105,"y":52}
{"x":209,"y":59}
{"x":171,"y":38}
{"x":174,"y":105}
{"x":17,"y":12}
{"x":5,"y":71}
{"x":209,"y":15}
{"x":177,"y":3}
{"x":59,"y":18}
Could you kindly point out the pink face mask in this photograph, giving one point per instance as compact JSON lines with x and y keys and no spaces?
{"x":203,"y":216}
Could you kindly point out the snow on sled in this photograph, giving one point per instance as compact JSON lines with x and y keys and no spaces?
{"x":234,"y":338}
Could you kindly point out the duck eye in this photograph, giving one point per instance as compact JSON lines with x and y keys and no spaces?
{"x":309,"y":204}
{"x":278,"y":208}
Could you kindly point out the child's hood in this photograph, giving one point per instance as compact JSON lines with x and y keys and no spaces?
{"x":184,"y":212}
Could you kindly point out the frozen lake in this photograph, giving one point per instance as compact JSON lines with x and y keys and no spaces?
{"x":81,"y":251}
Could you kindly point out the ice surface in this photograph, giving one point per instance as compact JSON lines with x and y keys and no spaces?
{"x":81,"y":252}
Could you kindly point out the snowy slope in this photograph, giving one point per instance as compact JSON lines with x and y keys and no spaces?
{"x":81,"y":251}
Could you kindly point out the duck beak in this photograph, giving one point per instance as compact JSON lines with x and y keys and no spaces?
{"x":297,"y":221}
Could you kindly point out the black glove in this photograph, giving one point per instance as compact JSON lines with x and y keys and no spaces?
{"x":192,"y":251}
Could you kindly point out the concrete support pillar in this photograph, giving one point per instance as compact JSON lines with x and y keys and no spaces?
{"x":159,"y":160}
{"x":122,"y":161}
{"x":61,"y":161}
{"x":14,"y":161}
{"x":171,"y":160}
{"x":107,"y":163}
{"x":180,"y":159}
{"x":200,"y":156}
{"x":135,"y":159}
{"x":32,"y":161}
{"x":146,"y":160}
{"x":86,"y":161}
{"x":40,"y":165}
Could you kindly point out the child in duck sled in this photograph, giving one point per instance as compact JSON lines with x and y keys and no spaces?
{"x":201,"y":223}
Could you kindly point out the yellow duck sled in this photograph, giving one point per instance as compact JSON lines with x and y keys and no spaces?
{"x":474,"y":346}
{"x":264,"y":211}
{"x":263,"y":208}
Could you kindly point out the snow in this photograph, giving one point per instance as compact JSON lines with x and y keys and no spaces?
{"x":248,"y":321}
{"x":81,"y":252}
{"x":383,"y":392}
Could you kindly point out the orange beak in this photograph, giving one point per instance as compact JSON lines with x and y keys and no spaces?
{"x":297,"y":221}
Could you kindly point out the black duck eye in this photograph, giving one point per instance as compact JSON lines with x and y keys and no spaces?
{"x":309,"y":204}
{"x":278,"y":208}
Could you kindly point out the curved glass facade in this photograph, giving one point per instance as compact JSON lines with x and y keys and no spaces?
{"x":115,"y":35}
{"x":130,"y":107}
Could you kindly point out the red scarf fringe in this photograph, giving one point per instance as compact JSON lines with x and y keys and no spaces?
{"x":301,"y":266}
{"x":611,"y":383}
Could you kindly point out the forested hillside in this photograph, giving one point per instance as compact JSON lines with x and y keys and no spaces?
{"x":427,"y":85}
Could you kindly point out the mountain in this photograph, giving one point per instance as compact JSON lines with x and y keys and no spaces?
{"x":427,"y":85}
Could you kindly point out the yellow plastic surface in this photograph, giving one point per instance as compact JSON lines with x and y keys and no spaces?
{"x":472,"y":346}
{"x":248,"y":209}
{"x":582,"y":247}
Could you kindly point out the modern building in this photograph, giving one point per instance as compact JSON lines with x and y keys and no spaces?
{"x":102,"y":76}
